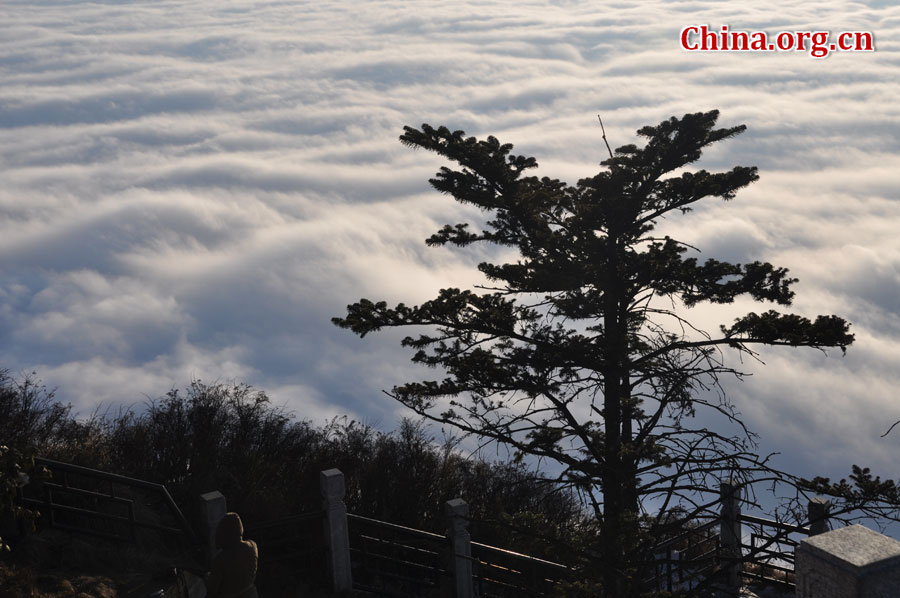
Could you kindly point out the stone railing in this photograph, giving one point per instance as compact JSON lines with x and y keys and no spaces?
{"x":851,"y":562}
{"x":748,"y":549}
{"x":415,"y":561}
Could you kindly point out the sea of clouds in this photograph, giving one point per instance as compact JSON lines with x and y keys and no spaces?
{"x":193,"y":189}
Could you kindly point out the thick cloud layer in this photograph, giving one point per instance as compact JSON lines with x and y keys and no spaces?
{"x":191,"y":190}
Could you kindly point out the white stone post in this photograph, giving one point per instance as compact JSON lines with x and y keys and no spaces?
{"x":212,"y":511}
{"x":817,"y":511}
{"x":730,"y":535}
{"x":461,"y":546}
{"x":851,"y":562}
{"x":337,"y":539}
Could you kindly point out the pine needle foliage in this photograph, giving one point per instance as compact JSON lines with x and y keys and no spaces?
{"x":579,"y":351}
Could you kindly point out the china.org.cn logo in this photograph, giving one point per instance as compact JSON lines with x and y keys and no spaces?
{"x":819,"y":44}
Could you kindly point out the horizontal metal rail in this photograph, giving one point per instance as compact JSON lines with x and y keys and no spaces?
{"x":88,"y":493}
{"x":760,"y":577}
{"x":682,"y":536}
{"x":404,"y":562}
{"x":762,"y":555}
{"x":780,"y":525}
{"x":502,"y":572}
{"x":400,"y":545}
{"x":522,"y":557}
{"x":98,"y":515}
{"x":417,"y":556}
{"x":159,"y":489}
{"x":394,"y":559}
{"x":669,"y":572}
{"x":395,"y":527}
{"x":685,"y":567}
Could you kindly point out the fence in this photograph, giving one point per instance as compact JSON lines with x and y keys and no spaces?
{"x":731,"y":557}
{"x":393,"y":560}
{"x":503,"y":573}
{"x":686,"y":560}
{"x":103,"y":504}
{"x":341,"y":551}
{"x":291,"y":547}
{"x":328,"y":548}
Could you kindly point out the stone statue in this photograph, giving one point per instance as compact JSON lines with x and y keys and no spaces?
{"x":233,"y":569}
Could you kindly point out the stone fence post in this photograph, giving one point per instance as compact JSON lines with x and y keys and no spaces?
{"x":461,"y":547}
{"x":212,"y":510}
{"x":817,"y":511}
{"x":337,"y":539}
{"x":851,"y":562}
{"x":730,"y":535}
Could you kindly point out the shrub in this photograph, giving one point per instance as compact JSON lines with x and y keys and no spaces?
{"x":229,"y":437}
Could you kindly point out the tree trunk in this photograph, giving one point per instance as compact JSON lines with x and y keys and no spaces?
{"x":612,"y":531}
{"x":619,"y":531}
{"x":613,"y":505}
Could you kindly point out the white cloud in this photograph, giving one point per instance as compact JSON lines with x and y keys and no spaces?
{"x":193,"y":191}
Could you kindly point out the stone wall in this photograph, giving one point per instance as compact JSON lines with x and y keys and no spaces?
{"x":851,"y":562}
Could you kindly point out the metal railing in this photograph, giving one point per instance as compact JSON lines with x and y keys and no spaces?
{"x":395,"y":560}
{"x":686,"y":560}
{"x":769,"y":557}
{"x":693,"y":557}
{"x":103,"y":504}
{"x":501,"y":573}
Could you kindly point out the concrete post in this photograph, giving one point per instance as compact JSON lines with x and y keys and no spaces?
{"x":337,"y":539}
{"x":818,"y":511}
{"x":212,"y":510}
{"x":730,"y":535}
{"x":461,"y":547}
{"x":851,"y":562}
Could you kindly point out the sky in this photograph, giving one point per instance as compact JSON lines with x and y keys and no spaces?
{"x":191,"y":190}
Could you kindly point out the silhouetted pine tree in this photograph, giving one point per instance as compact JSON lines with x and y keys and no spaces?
{"x":577,"y":351}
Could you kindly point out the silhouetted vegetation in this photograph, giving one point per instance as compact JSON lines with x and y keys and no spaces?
{"x":231,"y":438}
{"x":579,"y":351}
